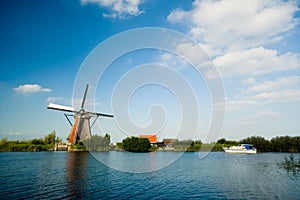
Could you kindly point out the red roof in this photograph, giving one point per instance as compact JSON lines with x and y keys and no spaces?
{"x":151,"y":138}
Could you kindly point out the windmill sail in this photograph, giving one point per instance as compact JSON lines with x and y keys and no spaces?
{"x":84,"y":96}
{"x":100,"y":114}
{"x":60,"y":107}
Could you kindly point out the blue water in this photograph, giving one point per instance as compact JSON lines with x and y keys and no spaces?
{"x":63,"y":175}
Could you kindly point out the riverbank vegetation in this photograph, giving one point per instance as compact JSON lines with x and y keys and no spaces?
{"x":40,"y":144}
{"x":134,"y":144}
{"x":276,"y":144}
{"x":98,"y":143}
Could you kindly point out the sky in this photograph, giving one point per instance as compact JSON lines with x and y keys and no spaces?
{"x":251,"y":47}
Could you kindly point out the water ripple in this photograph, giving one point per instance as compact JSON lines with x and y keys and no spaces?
{"x":63,"y":175}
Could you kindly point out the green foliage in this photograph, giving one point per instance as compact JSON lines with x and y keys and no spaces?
{"x":219,"y":147}
{"x":78,"y":147}
{"x":285,"y":144}
{"x":102,"y":143}
{"x":50,"y":138}
{"x":29,"y":145}
{"x":37,"y":141}
{"x":153,"y":148}
{"x":119,"y":146}
{"x":221,"y":141}
{"x":14,"y":146}
{"x":98,"y":143}
{"x":187,"y":145}
{"x":277,"y":144}
{"x":260,"y":143}
{"x":227,"y":142}
{"x":135,"y":144}
{"x":107,"y":137}
{"x":182,"y":145}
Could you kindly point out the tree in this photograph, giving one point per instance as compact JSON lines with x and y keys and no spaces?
{"x":3,"y":141}
{"x":285,"y":144}
{"x":221,"y":141}
{"x":107,"y":136}
{"x":135,"y":144}
{"x":50,"y":138}
{"x":260,"y":143}
{"x":37,"y":141}
{"x":97,"y":143}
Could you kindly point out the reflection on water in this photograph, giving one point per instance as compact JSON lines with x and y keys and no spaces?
{"x":137,"y":162}
{"x":291,"y":164}
{"x":76,"y":173}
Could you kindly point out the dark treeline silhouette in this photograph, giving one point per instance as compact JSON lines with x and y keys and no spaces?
{"x":135,"y":144}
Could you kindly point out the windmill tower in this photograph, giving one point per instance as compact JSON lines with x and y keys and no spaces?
{"x":81,"y":129}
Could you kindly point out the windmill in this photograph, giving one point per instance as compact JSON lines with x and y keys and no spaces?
{"x":81,"y":129}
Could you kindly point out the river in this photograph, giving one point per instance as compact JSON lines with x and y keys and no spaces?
{"x":80,"y":175}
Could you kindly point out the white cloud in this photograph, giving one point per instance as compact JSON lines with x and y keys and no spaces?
{"x":30,"y":88}
{"x":282,"y":90}
{"x":193,"y":53}
{"x":52,"y":99}
{"x":258,"y":100}
{"x":285,"y":95}
{"x":237,"y":35}
{"x":250,"y":81}
{"x":17,"y":133}
{"x":285,"y":89}
{"x":255,"y":61}
{"x":240,"y":103}
{"x":232,"y":25}
{"x":258,"y":118}
{"x":119,"y":8}
{"x":283,"y":83}
{"x":262,"y":114}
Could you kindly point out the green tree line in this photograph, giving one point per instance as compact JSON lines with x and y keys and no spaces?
{"x":134,"y":144}
{"x":276,"y":144}
{"x":41,"y":144}
{"x":187,"y":145}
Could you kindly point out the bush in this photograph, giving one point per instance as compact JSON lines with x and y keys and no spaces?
{"x":135,"y":144}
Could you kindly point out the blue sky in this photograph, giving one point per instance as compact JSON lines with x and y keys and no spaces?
{"x":253,"y":44}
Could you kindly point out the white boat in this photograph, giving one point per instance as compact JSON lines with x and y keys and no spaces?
{"x":241,"y":148}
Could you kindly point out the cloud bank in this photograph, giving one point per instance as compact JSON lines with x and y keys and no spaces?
{"x":119,"y":8}
{"x":244,"y":40}
{"x":232,"y":25}
{"x":30,"y":88}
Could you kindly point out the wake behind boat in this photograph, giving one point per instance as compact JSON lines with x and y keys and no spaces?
{"x":241,"y":148}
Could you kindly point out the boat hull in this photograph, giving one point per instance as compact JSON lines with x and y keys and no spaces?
{"x":240,"y":151}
